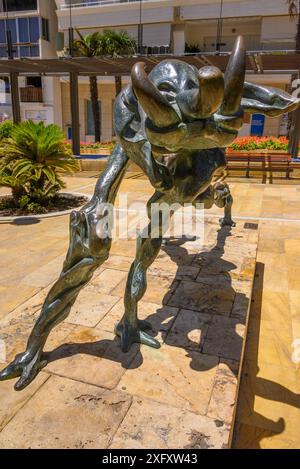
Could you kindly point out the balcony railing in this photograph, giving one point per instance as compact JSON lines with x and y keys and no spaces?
{"x":154,"y":50}
{"x":93,"y":3}
{"x":21,"y":49}
{"x":31,"y":94}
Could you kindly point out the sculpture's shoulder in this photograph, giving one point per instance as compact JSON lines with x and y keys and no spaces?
{"x":127,"y":116}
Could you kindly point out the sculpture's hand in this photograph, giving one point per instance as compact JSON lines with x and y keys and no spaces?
{"x":25,"y":366}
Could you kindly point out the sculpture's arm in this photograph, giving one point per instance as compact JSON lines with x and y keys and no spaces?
{"x":266,"y":100}
{"x":256,"y":99}
{"x":129,"y":128}
{"x":158,"y":174}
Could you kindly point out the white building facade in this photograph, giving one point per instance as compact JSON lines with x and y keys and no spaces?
{"x":33,"y":26}
{"x":177,"y":26}
{"x":265,"y":24}
{"x":168,"y":26}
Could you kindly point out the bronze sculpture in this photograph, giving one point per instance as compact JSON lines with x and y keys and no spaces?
{"x":174,"y":124}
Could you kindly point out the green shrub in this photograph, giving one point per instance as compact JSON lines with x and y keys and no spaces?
{"x":35,"y":208}
{"x":6,"y":129}
{"x":24,"y":201}
{"x":5,"y":204}
{"x":33,"y":160}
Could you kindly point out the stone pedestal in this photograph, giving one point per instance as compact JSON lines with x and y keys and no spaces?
{"x":181,"y":396}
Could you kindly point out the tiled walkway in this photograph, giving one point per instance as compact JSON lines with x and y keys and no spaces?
{"x":269,"y":405}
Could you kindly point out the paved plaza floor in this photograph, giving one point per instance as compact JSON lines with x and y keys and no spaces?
{"x":268,"y":411}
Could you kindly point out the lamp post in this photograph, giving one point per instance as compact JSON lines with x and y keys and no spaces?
{"x":71,"y":31}
{"x":140,"y":31}
{"x":14,"y":83}
{"x":219,"y":29}
{"x":10,"y":52}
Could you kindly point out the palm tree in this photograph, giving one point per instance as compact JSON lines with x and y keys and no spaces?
{"x":117,"y":44}
{"x":294,"y":11}
{"x":33,"y":159}
{"x":91,"y":46}
{"x":109,"y":43}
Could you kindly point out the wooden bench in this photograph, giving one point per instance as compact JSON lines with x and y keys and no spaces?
{"x":279,"y":164}
{"x":262,"y":162}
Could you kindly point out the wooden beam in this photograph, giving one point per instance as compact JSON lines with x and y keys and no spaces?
{"x":15,"y":98}
{"x":108,"y":66}
{"x":75,"y":113}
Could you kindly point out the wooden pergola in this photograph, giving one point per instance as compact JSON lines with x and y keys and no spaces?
{"x":262,"y":62}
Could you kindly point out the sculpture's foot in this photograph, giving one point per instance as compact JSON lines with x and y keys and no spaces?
{"x":24,"y":366}
{"x":130,"y":335}
{"x":225,"y":221}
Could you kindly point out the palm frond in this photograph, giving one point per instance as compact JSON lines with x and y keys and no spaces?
{"x":33,"y":157}
{"x":293,"y":8}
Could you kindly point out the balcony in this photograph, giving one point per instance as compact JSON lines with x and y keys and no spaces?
{"x":18,"y":5}
{"x":31,"y":94}
{"x":93,"y":3}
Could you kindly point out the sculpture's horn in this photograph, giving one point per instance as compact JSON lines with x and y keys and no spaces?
{"x":234,"y":78}
{"x":203,"y":101}
{"x":155,"y":105}
{"x":211,"y":92}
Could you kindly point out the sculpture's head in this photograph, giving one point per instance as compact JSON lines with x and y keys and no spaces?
{"x":177,"y":92}
{"x":183,"y":107}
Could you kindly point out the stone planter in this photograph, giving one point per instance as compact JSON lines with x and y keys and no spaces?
{"x":29,"y":218}
{"x":96,"y":151}
{"x":87,"y":164}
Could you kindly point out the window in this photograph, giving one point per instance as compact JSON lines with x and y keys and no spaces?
{"x":45,"y":29}
{"x":25,"y":36}
{"x":18,"y":5}
{"x":34,"y":81}
{"x":23,"y":30}
{"x":12,"y":26}
{"x":6,"y":84}
{"x":35,"y":51}
{"x":23,"y":51}
{"x":34,"y":29}
{"x":90,"y":125}
{"x":2,"y":32}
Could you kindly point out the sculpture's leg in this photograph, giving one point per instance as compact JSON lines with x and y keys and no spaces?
{"x":223,"y":198}
{"x":130,"y":329}
{"x":206,"y":198}
{"x":90,"y":242}
{"x":220,"y":195}
{"x":227,"y":219}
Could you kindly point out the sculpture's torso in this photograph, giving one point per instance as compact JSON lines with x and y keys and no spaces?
{"x":193,"y":172}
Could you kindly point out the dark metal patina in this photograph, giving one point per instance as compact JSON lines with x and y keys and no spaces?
{"x":174,"y":124}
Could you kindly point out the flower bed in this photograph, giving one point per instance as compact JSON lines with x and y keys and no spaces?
{"x":259,"y":144}
{"x":90,"y":148}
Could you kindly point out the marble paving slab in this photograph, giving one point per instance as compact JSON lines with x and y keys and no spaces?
{"x":182,"y":395}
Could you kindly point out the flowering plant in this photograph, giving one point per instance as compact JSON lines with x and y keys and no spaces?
{"x":260,"y":143}
{"x":97,"y":145}
{"x":86,"y":147}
